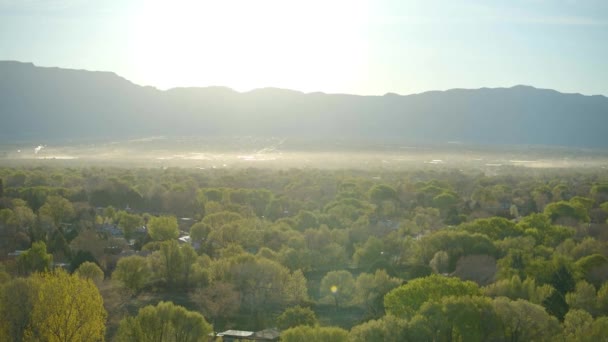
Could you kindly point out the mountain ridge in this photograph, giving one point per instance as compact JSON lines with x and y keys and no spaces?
{"x":43,"y":102}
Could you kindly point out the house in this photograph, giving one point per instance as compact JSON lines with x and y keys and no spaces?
{"x":240,"y":335}
{"x":235,"y":335}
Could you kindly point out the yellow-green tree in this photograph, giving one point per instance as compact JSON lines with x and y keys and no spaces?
{"x":164,"y":322}
{"x":16,"y":303}
{"x":314,"y":334}
{"x":66,"y":308}
{"x":90,"y":270}
{"x":163,"y":228}
{"x":405,"y":300}
{"x":35,"y":259}
{"x":133,"y":272}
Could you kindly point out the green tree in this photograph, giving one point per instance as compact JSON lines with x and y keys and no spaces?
{"x":17,"y":299}
{"x":405,"y":300}
{"x":164,"y":322}
{"x":460,"y":318}
{"x":371,"y":288}
{"x":338,"y":286}
{"x":440,"y":262}
{"x":496,"y":228}
{"x":66,"y":308}
{"x":314,"y":334}
{"x":583,"y":298}
{"x":371,"y":252}
{"x":128,"y":223}
{"x":35,"y":259}
{"x":218,"y":301}
{"x":524,"y":321}
{"x":90,"y":270}
{"x":199,"y":231}
{"x":577,"y":325}
{"x":295,"y":316}
{"x":514,"y":288}
{"x":387,"y":329}
{"x":58,"y":209}
{"x":564,"y":210}
{"x":163,"y":228}
{"x":133,"y":272}
{"x":382,"y":192}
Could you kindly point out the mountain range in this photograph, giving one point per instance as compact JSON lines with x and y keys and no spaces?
{"x":40,"y":103}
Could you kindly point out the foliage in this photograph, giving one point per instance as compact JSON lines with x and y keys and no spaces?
{"x":66,"y":308}
{"x":17,"y":299}
{"x":339,"y":287}
{"x":35,"y":259}
{"x":163,"y":228}
{"x":296,"y":316}
{"x":218,"y":301}
{"x":314,"y":334}
{"x":90,"y":270}
{"x":405,"y":300}
{"x":514,"y":288}
{"x":524,"y":321}
{"x":164,"y":322}
{"x":133,"y":272}
{"x":371,"y":288}
{"x":388,"y":328}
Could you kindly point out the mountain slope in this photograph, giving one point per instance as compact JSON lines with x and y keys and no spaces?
{"x":52,"y":103}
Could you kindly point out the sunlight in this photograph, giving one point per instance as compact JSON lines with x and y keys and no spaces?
{"x":246,"y":44}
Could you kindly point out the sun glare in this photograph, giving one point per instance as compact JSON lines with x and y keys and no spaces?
{"x":249,"y":44}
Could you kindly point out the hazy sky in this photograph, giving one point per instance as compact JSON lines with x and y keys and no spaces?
{"x":351,"y":46}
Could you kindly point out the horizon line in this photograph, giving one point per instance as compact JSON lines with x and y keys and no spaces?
{"x":388,"y":93}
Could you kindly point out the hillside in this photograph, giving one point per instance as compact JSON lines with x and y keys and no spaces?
{"x":51,"y":103}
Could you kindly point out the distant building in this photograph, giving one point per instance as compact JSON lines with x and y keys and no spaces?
{"x":241,"y":335}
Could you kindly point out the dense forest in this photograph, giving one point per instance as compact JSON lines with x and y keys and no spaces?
{"x":427,"y":254}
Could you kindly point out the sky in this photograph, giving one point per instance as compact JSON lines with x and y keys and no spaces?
{"x":333,"y":46}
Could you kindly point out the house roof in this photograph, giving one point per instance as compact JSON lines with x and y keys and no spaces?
{"x":267,"y":334}
{"x":236,"y":333}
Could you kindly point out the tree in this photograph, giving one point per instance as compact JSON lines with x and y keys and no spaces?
{"x":314,"y":334}
{"x":174,"y":264}
{"x":199,"y":231}
{"x":128,"y":223}
{"x":496,"y":228}
{"x":133,"y":272}
{"x":17,"y":299}
{"x":583,"y":298}
{"x":263,"y":284}
{"x":368,"y":254}
{"x":296,"y":291}
{"x":35,"y":259}
{"x":218,"y":301}
{"x":388,"y":328}
{"x":295,"y":316}
{"x":563,"y":209}
{"x":594,"y":267}
{"x":456,"y":244}
{"x":338,"y":285}
{"x":460,"y":318}
{"x":577,"y":325}
{"x":90,"y":270}
{"x":164,"y":322}
{"x":163,"y":228}
{"x":66,"y":308}
{"x":524,"y":321}
{"x":371,"y":288}
{"x":382,"y":192}
{"x":514,"y":288}
{"x":563,"y":282}
{"x":58,"y":209}
{"x":405,"y":300}
{"x":440,"y":262}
